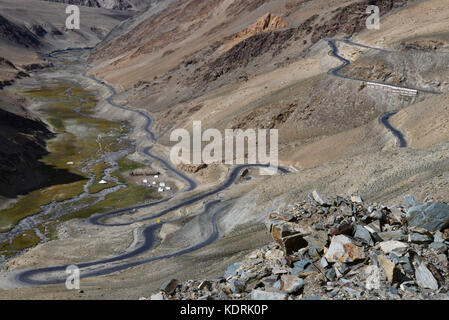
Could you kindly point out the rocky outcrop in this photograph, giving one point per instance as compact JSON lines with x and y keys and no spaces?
{"x":18,"y":34}
{"x":343,"y":255}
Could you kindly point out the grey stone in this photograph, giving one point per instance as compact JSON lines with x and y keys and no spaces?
{"x":237,"y":286}
{"x":291,"y":284}
{"x":397,"y":215}
{"x":431,"y":216}
{"x":324,"y":262}
{"x":397,"y":235}
{"x":270,"y":280}
{"x":425,"y":278}
{"x":374,"y":227}
{"x":317,"y":240}
{"x":419,"y":238}
{"x":157,"y":296}
{"x":331,"y":275}
{"x":378,"y":215}
{"x":301,"y":265}
{"x":393,"y":245}
{"x":322,"y":200}
{"x":364,"y":235}
{"x":438,"y":247}
{"x":170,"y":286}
{"x":372,"y":278}
{"x":205,"y":284}
{"x":313,"y":298}
{"x":333,"y":293}
{"x":232,"y":269}
{"x":257,"y":294}
{"x":411,"y":201}
{"x":353,"y":293}
{"x":438,"y":237}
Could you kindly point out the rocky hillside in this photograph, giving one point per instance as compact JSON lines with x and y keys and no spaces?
{"x":107,"y":4}
{"x":174,"y":58}
{"x":336,"y":248}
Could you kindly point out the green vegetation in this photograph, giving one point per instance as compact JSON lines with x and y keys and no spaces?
{"x":79,"y":140}
{"x":23,"y":241}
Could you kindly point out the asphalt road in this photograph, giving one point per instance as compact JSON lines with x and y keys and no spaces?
{"x":147,"y":238}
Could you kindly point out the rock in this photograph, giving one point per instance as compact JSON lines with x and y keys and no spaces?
{"x":205,"y":284}
{"x":323,"y":201}
{"x":333,"y":293}
{"x":270,"y":280}
{"x":443,"y":260}
{"x":397,"y":235}
{"x":419,"y":238}
{"x":291,"y":283}
{"x":377,"y":215}
{"x":438,"y":247}
{"x":345,"y":228}
{"x":374,"y":227}
{"x":397,"y":215}
{"x":363,"y":235}
{"x":357,"y":199}
{"x":407,"y":265}
{"x":237,"y":286}
{"x":425,"y":278}
{"x":232,"y":269}
{"x":301,"y":265}
{"x":157,"y":296}
{"x":324,"y":262}
{"x":346,"y":210}
{"x":284,"y":216}
{"x":317,"y":240}
{"x":289,"y":240}
{"x":331,"y":275}
{"x":274,"y":255}
{"x":170,"y":286}
{"x":393,"y":245}
{"x":431,"y":216}
{"x":257,"y":294}
{"x":353,"y":293}
{"x":389,"y":267}
{"x":343,"y":249}
{"x":438,"y":237}
{"x":411,"y":201}
{"x":372,"y":278}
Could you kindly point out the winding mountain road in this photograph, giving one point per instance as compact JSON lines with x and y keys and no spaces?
{"x":384,"y":119}
{"x":147,"y":238}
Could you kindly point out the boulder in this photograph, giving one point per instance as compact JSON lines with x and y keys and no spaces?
{"x":431,"y":216}
{"x":425,"y":278}
{"x":343,"y":249}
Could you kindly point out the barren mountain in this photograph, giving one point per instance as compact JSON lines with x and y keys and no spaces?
{"x":108,"y":4}
{"x":359,"y":112}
